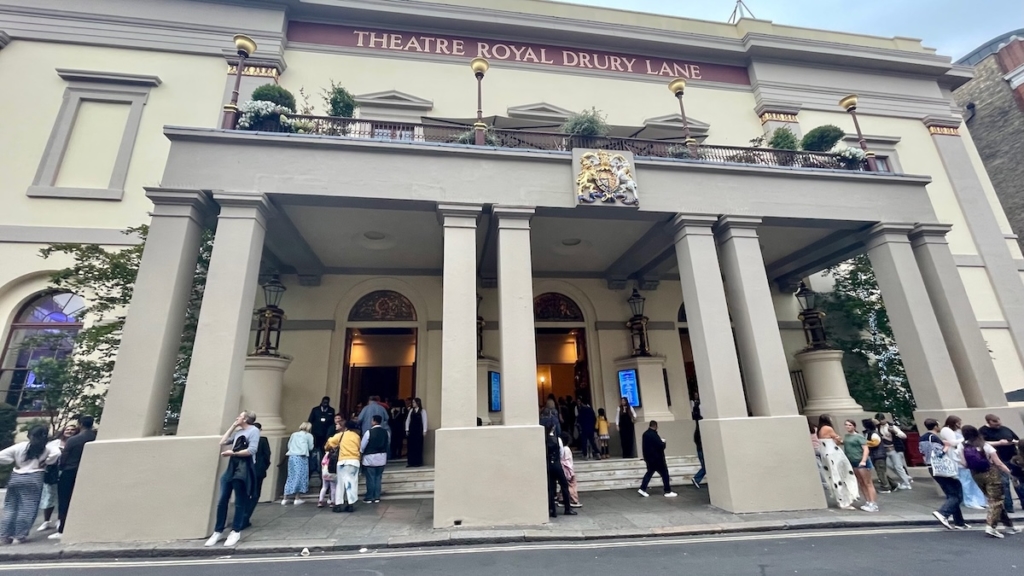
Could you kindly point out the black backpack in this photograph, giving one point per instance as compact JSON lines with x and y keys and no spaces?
{"x":332,"y":460}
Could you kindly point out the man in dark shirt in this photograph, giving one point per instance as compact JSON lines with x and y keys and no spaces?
{"x":68,"y":464}
{"x":587,"y":421}
{"x":1005,"y":442}
{"x":698,"y":442}
{"x":654,"y":455}
{"x":322,"y":419}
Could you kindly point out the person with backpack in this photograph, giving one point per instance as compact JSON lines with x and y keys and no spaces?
{"x":25,"y":487}
{"x":556,"y":475}
{"x":984,"y":463}
{"x":878,"y":453}
{"x":940,"y":457}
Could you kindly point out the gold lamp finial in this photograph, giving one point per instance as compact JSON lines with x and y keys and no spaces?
{"x":244,"y":45}
{"x":677,"y":86}
{"x":479,"y":66}
{"x":849,"y":103}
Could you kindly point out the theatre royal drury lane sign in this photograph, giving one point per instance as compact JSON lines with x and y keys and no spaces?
{"x":520,"y":52}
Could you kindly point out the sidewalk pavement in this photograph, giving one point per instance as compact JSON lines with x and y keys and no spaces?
{"x":408,"y":523}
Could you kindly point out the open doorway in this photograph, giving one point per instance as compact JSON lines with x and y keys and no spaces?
{"x":562,"y":364}
{"x":378,"y":362}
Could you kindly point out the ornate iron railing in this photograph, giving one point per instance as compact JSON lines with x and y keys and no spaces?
{"x":522,"y":139}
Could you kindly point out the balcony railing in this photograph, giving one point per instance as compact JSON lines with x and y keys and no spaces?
{"x":522,"y":139}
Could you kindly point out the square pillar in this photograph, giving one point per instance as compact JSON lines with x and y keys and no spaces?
{"x":923,"y":350}
{"x":726,"y":431}
{"x":136,"y":402}
{"x":213,"y":391}
{"x":769,"y":391}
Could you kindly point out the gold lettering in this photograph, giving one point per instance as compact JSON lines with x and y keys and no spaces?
{"x":382,"y":38}
{"x":413,"y":42}
{"x":504,"y":49}
{"x":607,"y":61}
{"x":544,"y":57}
{"x":483,"y":50}
{"x":426,"y":42}
{"x":683,"y":71}
{"x":629,"y":63}
{"x":566,"y":55}
{"x":396,"y":42}
{"x":442,"y":46}
{"x":360,"y":36}
{"x":585,"y":60}
{"x":458,"y":48}
{"x":530,"y":56}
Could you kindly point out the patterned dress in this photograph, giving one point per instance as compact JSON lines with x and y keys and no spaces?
{"x":842,"y":484}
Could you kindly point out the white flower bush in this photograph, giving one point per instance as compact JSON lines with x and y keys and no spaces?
{"x":254,"y":112}
{"x":852,"y":157}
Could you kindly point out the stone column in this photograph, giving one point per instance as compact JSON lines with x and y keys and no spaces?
{"x":458,"y":338}
{"x":262,"y":385}
{"x":967,"y":349}
{"x":726,"y":432}
{"x":769,"y":390}
{"x":136,"y":402}
{"x":515,"y":316}
{"x":929,"y":369}
{"x":827,"y":390}
{"x":214,"y":387}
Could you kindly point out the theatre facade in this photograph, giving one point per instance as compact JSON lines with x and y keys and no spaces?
{"x":482,"y":261}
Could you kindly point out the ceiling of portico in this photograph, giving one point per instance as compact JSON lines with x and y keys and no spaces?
{"x":581,"y":244}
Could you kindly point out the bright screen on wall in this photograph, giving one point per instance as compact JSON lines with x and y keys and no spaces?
{"x":629,"y":387}
{"x":494,"y":392}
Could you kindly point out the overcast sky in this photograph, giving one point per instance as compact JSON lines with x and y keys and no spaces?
{"x":954,"y":27}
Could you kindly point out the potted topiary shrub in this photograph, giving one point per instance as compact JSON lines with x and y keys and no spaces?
{"x":268,"y":110}
{"x":469,"y":137}
{"x":785,"y":141}
{"x":583,"y":125}
{"x":822,"y":138}
{"x":276,"y":94}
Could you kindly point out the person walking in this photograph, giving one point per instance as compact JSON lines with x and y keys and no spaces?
{"x":890,"y":433}
{"x":878,"y":453}
{"x":627,"y":434}
{"x":839,"y":468}
{"x":569,"y":469}
{"x":25,"y":486}
{"x":374,"y":447}
{"x":858,"y":455}
{"x":1005,"y":442}
{"x":698,"y":442}
{"x":300,"y":446}
{"x":239,"y":477}
{"x":68,"y":463}
{"x":415,"y":431}
{"x":939,"y":456}
{"x":586,"y":420}
{"x":48,"y":503}
{"x":321,"y":419}
{"x":983,"y":462}
{"x":602,"y":432}
{"x":329,"y":479}
{"x":346,"y":443}
{"x":556,"y":476}
{"x":654,"y":456}
{"x":951,"y":433}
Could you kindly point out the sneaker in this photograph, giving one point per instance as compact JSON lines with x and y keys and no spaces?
{"x":320,"y":504}
{"x":298,"y":501}
{"x":1014,"y":530}
{"x":233,"y":539}
{"x":642,"y":493}
{"x":904,"y":487}
{"x":942,"y":520}
{"x":990,"y":531}
{"x":575,"y":505}
{"x":883,"y":491}
{"x":17,"y":541}
{"x":55,"y":536}
{"x":213,"y":539}
{"x":284,"y":501}
{"x":377,"y":501}
{"x":695,"y":483}
{"x":847,"y":507}
{"x":46,"y":526}
{"x":866,"y":507}
{"x":962,"y":527}
{"x":671,"y":495}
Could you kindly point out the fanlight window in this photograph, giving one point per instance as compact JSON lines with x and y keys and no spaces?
{"x":383,"y":306}
{"x":555,"y":307}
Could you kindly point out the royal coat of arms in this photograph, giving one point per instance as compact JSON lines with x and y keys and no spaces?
{"x":605,"y":177}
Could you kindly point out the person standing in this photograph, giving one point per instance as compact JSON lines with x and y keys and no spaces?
{"x":973,"y":496}
{"x":587,"y":422}
{"x":239,"y":477}
{"x":374,"y":447}
{"x":878,"y":453}
{"x":556,"y":476}
{"x":840,"y":469}
{"x":569,"y":469}
{"x":697,"y":440}
{"x":983,"y":462}
{"x":1005,"y":442}
{"x":889,"y":433}
{"x":550,"y":416}
{"x":263,"y":458}
{"x":654,"y":456}
{"x":627,"y":434}
{"x":375,"y":408}
{"x":49,"y":500}
{"x":415,"y":431}
{"x":346,"y":442}
{"x":858,"y":455}
{"x":399,"y":415}
{"x":602,"y":433}
{"x":69,"y":461}
{"x":934,"y":448}
{"x":321,"y":419}
{"x":568,"y":410}
{"x":25,"y":486}
{"x":300,"y":446}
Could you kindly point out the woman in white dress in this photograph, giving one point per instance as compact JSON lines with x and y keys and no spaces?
{"x":973,"y":496}
{"x":842,"y":483}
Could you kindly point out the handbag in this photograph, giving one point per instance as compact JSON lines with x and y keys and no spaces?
{"x":942,"y":465}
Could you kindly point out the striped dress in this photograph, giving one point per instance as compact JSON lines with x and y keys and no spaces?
{"x":24,"y":489}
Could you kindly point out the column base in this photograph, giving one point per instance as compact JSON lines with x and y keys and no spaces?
{"x":165,"y":488}
{"x":826,"y":386}
{"x":677,"y":434}
{"x":739,"y":451}
{"x":839,"y":416}
{"x":490,"y":476}
{"x":1010,"y":416}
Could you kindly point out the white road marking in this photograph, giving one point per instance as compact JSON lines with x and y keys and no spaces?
{"x":453,"y":551}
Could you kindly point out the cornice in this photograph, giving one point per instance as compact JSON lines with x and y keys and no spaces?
{"x":108,"y":77}
{"x":5,"y":39}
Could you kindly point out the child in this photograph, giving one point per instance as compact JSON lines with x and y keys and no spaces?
{"x":329,"y":481}
{"x":602,"y":432}
{"x":570,"y":472}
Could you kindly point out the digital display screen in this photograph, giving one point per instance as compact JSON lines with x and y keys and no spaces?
{"x":494,"y":392}
{"x":629,"y":387}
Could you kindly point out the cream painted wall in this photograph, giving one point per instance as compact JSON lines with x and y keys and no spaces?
{"x":451,"y":87}
{"x":981,"y":294}
{"x":93,"y":145}
{"x":190,"y":95}
{"x":1004,"y":355}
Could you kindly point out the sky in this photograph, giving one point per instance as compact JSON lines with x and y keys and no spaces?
{"x":953,"y":27}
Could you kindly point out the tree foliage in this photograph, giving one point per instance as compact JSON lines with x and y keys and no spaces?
{"x":783,"y":139}
{"x":276,"y":94}
{"x":858,"y":324}
{"x":586,"y":123}
{"x":822,"y":138}
{"x":338,"y":101}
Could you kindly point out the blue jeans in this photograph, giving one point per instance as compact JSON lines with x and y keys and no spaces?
{"x":703,"y":470}
{"x":242,"y":503}
{"x":954,"y":492}
{"x":1008,"y":489}
{"x":374,"y":475}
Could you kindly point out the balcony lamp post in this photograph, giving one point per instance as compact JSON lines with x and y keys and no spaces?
{"x":850,"y":105}
{"x":811,"y":318}
{"x":269,"y":319}
{"x":638,"y":325}
{"x":245,"y":47}
{"x":677,"y":86}
{"x":479,"y":66}
{"x":479,"y":328}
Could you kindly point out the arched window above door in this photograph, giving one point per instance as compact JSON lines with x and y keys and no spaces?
{"x":555,"y":307}
{"x":383,"y":306}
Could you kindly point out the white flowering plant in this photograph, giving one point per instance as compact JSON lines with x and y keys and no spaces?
{"x":850,"y":157}
{"x":263,"y":115}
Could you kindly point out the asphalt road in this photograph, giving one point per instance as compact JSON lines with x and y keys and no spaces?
{"x":874,"y":552}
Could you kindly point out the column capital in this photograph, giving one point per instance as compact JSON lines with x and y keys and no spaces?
{"x":458,"y":215}
{"x":885,"y":232}
{"x":929,"y":234}
{"x":729,"y":227}
{"x":683,"y":225}
{"x":942,"y":125}
{"x":513,"y":217}
{"x":181,"y":202}
{"x":244,"y":205}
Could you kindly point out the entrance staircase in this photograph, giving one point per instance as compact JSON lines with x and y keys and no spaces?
{"x":591,"y":476}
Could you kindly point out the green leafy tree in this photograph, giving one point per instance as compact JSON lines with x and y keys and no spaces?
{"x":339,"y":101}
{"x":783,"y":139}
{"x":276,"y":94}
{"x":586,"y":123}
{"x":858,"y":324}
{"x":822,"y":138}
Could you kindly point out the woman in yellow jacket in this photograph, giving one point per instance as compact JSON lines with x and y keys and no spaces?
{"x":346,"y":442}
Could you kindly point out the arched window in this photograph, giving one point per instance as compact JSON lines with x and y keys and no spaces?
{"x":383,"y":306}
{"x":44,"y":328}
{"x":555,"y":307}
